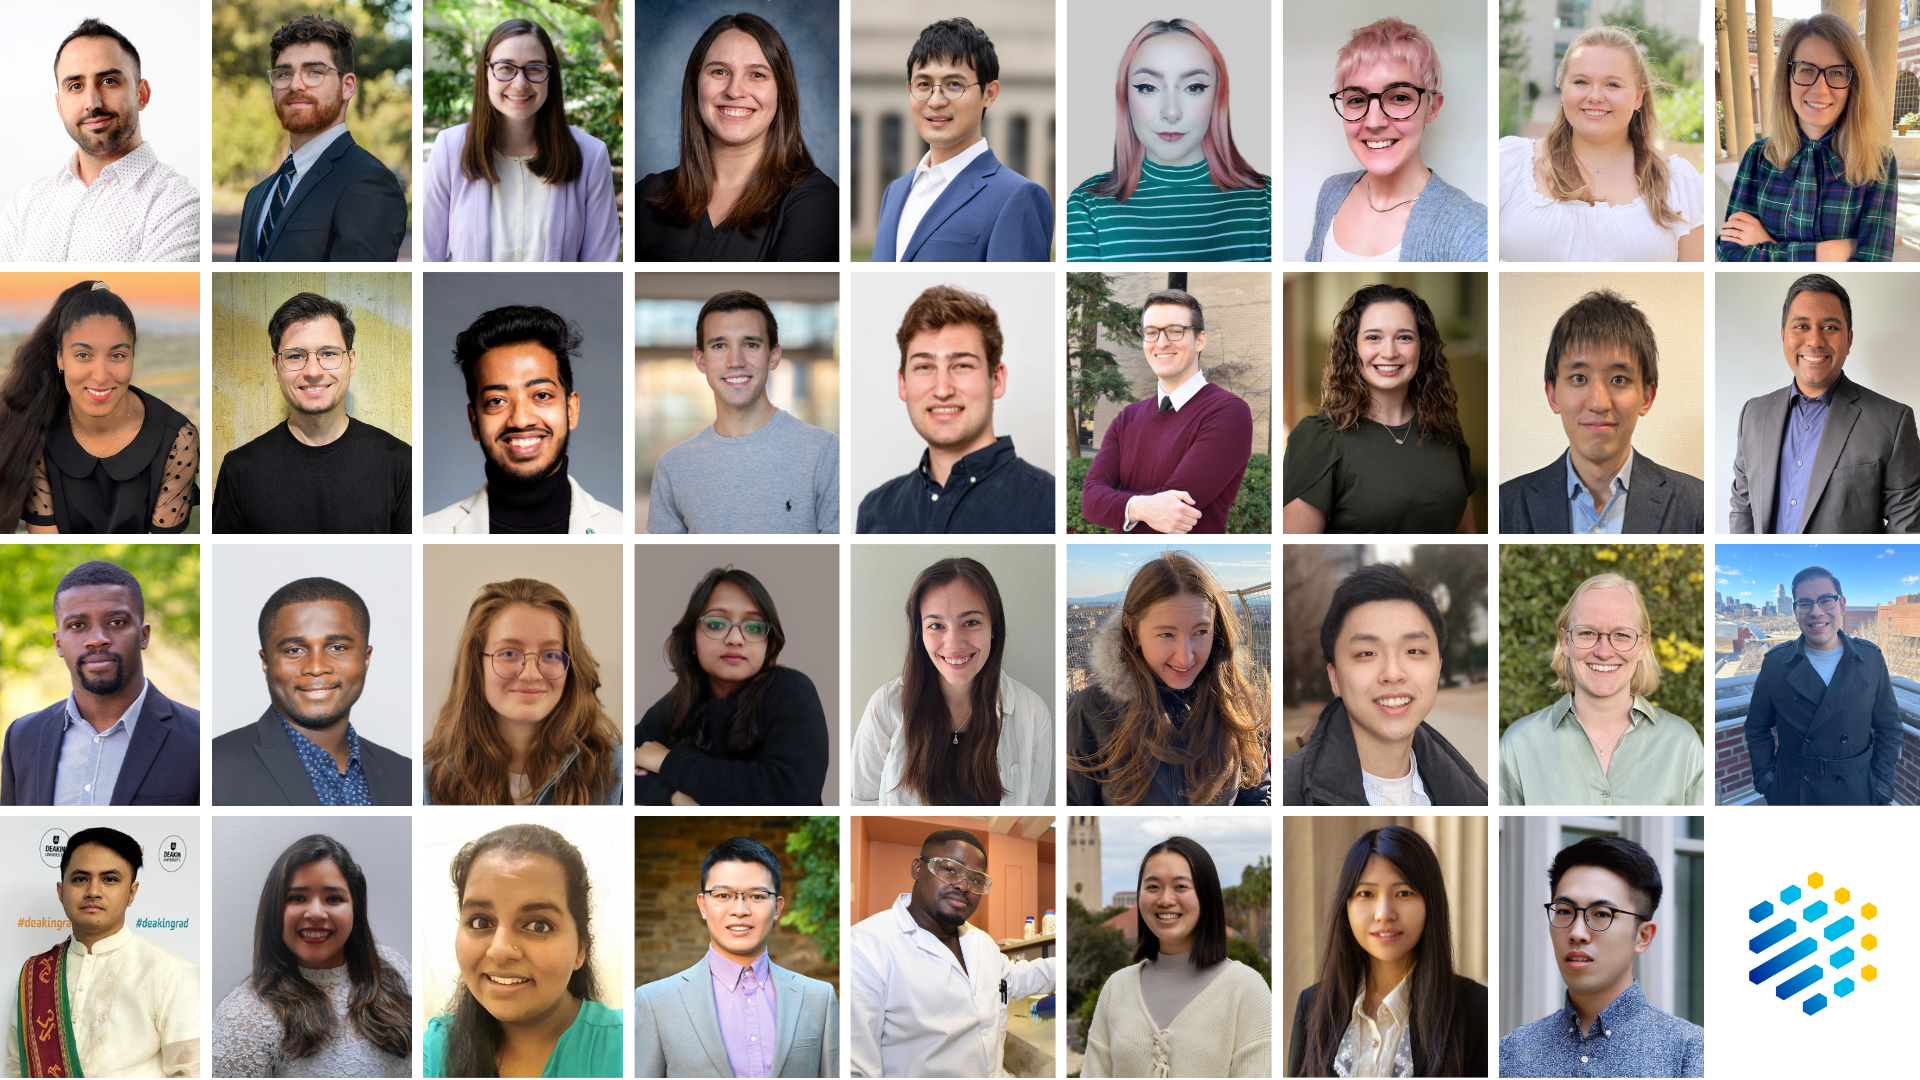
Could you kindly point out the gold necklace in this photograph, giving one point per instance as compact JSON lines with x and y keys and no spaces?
{"x":1608,"y":165}
{"x":1398,"y":440}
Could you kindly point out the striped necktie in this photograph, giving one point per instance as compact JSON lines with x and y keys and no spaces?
{"x":276,"y":203}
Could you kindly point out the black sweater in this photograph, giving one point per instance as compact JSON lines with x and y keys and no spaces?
{"x":361,"y":482}
{"x":786,"y":769}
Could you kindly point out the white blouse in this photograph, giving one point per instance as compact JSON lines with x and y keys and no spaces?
{"x":1025,"y":755}
{"x":1379,"y":1045}
{"x":517,"y":214}
{"x":1535,"y":228}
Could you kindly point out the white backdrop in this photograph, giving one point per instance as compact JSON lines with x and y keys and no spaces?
{"x":173,"y":60}
{"x":166,"y":911}
{"x":884,"y":444}
{"x":1455,"y":144}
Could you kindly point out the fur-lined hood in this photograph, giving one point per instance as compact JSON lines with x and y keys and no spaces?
{"x":1107,"y":668}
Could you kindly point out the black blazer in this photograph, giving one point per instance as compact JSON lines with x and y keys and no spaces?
{"x":258,"y":766}
{"x":347,"y":208}
{"x":162,"y":766}
{"x":1471,"y":996}
{"x":1658,"y":500}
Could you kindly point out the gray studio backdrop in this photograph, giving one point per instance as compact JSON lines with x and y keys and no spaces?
{"x":670,"y":30}
{"x":245,"y":575}
{"x":884,"y":443}
{"x":1101,"y":30}
{"x":804,"y":581}
{"x":883,"y":575}
{"x":1751,"y":360}
{"x":244,"y":849}
{"x":454,"y":465}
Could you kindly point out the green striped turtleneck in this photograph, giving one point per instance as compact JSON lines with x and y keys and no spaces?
{"x":1175,"y":213}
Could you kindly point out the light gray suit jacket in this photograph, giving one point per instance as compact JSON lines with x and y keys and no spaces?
{"x":1866,"y":471}
{"x":676,"y":1030}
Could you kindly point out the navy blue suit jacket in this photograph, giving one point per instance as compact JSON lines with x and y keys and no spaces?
{"x":348,"y":208}
{"x":162,"y":767}
{"x":988,"y":213}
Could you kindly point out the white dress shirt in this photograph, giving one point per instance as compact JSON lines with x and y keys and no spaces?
{"x":915,"y":1012}
{"x":303,"y":162}
{"x":1181,"y":395}
{"x":517,"y":212}
{"x":1379,"y":1045}
{"x":135,"y":1009}
{"x":1408,"y":790}
{"x":929,"y":180}
{"x":1025,"y":754}
{"x":137,"y":210}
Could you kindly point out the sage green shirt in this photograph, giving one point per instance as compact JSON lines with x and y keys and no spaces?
{"x":1546,"y":759}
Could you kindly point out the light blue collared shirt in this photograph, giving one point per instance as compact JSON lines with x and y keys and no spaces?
{"x":90,"y":760}
{"x":1613,"y":516}
{"x":303,"y":160}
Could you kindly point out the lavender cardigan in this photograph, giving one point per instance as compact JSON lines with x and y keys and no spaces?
{"x":582,"y":225}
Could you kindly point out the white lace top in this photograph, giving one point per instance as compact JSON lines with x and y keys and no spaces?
{"x":1379,"y":1045}
{"x":1535,"y":228}
{"x":246,"y":1034}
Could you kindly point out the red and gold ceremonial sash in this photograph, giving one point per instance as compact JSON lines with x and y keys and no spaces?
{"x":45,"y":1021}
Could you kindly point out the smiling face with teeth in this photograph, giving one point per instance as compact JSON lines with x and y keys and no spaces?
{"x":949,"y":390}
{"x":1382,"y":145}
{"x":1388,"y":341}
{"x":312,"y":389}
{"x":521,"y":99}
{"x":521,"y":413}
{"x":736,"y":357}
{"x":1817,"y":107}
{"x":1603,"y":673}
{"x":1386,"y":672}
{"x":315,"y":662}
{"x":1599,"y":91}
{"x":1820,"y":627}
{"x":1816,"y":340}
{"x":1173,"y":362}
{"x":1176,"y":637}
{"x":530,"y":697}
{"x":96,"y":362}
{"x":956,"y":630}
{"x":738,"y":97}
{"x":740,"y":929}
{"x":1386,"y":914}
{"x":317,"y":918}
{"x":1168,"y":905}
{"x":518,"y":944}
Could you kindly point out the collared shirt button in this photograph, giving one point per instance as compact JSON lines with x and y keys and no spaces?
{"x":973,"y":479}
{"x":936,"y":496}
{"x":1799,"y":463}
{"x":1583,"y":1059}
{"x":1608,"y":1033}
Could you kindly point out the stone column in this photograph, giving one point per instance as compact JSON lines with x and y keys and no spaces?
{"x":1883,"y":47}
{"x":1763,"y":44}
{"x":1734,"y":42}
{"x":1728,"y":58}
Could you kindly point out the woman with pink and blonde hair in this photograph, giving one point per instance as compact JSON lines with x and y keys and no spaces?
{"x":1179,"y":188}
{"x":1395,"y":209}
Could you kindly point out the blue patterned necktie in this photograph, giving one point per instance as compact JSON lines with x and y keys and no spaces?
{"x":276,"y":202}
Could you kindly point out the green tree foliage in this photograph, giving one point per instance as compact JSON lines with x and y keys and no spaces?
{"x":169,"y":576}
{"x":1667,"y":53}
{"x":1094,"y":952}
{"x":1094,"y":373}
{"x":1459,"y":573}
{"x":1537,"y":579}
{"x":1256,"y":885}
{"x":1242,"y":950}
{"x":1252,"y":510}
{"x":1513,"y":65}
{"x":815,"y":910}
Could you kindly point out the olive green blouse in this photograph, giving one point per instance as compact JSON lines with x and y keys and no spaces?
{"x":1364,"y":482}
{"x":1546,"y":759}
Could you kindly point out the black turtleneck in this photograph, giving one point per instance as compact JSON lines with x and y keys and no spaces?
{"x":528,"y":506}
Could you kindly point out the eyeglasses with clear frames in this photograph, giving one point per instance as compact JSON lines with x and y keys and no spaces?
{"x":1827,"y":602}
{"x":1152,"y":334}
{"x":756,"y":897}
{"x":1839,"y":76}
{"x":293,"y":360}
{"x":951,"y":89}
{"x":506,"y":71}
{"x":954,"y":873}
{"x":311,"y":74}
{"x":510,"y":663}
{"x":718,"y":628}
{"x":1586,"y":637}
{"x":1599,"y":916}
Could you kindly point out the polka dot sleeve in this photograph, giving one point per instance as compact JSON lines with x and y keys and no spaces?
{"x":39,"y":509}
{"x":178,"y":489}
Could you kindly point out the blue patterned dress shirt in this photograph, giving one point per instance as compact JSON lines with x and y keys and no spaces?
{"x":1806,"y":419}
{"x":335,"y":788}
{"x":1630,"y":1038}
{"x":1612,"y":517}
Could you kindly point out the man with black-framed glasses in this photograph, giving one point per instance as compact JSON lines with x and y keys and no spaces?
{"x":736,"y":1012}
{"x":930,"y":992}
{"x":1823,"y":728}
{"x":330,"y":200}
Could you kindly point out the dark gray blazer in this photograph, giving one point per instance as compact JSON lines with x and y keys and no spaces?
{"x":258,"y":766}
{"x":676,"y":1029}
{"x":1866,"y":472}
{"x":1658,"y":500}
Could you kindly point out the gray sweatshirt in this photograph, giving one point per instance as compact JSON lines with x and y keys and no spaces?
{"x":783,"y":478}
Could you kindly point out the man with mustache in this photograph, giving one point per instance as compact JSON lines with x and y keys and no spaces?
{"x":330,"y":200}
{"x":320,"y":471}
{"x":116,"y":740}
{"x":114,"y":200}
{"x":518,"y":363}
{"x":303,"y":751}
{"x":1603,"y":370}
{"x":1824,"y":454}
{"x":930,"y":991}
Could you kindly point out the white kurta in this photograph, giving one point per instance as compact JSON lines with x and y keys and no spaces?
{"x":916,"y":1013}
{"x":135,"y":1008}
{"x":1025,"y":754}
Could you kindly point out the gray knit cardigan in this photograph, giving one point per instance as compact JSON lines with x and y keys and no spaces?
{"x":1444,"y":226}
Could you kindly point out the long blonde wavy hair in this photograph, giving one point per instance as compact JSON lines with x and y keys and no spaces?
{"x":466,"y":757}
{"x":1643,"y":129}
{"x":1863,"y":139}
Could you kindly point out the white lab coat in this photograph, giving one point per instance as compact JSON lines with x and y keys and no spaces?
{"x":916,"y":1013}
{"x":1025,"y":754}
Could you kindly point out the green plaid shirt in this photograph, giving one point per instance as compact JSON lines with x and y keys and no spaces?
{"x":1810,"y":201}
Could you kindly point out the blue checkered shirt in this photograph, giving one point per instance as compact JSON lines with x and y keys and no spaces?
{"x":1630,"y":1038}
{"x":335,"y":788}
{"x":1810,"y":201}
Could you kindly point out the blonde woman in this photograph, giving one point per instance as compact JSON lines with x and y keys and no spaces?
{"x":1603,"y":742}
{"x":1821,"y":188}
{"x":1597,"y":189}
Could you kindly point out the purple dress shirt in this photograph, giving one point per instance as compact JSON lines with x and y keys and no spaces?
{"x":743,"y":999}
{"x":1806,"y":419}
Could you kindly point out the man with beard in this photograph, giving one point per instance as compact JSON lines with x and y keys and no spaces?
{"x":968,"y":481}
{"x":116,"y":740}
{"x":114,"y":200}
{"x":303,"y":751}
{"x":518,"y":363}
{"x":929,"y":991}
{"x":330,"y":199}
{"x":322,"y":471}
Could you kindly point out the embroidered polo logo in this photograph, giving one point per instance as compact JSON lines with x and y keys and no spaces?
{"x":789,"y":506}
{"x":1827,"y":926}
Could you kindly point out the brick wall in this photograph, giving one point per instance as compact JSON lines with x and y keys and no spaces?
{"x":668,"y":934}
{"x":1733,"y":771}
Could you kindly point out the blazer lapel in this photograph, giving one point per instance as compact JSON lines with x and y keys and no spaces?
{"x":886,"y":237}
{"x":282,"y":761}
{"x":696,"y":995}
{"x":786,"y":999}
{"x":964,"y":187}
{"x":308,"y":182}
{"x":1546,"y":499}
{"x":1805,"y":680}
{"x":149,"y":735}
{"x":1770,"y":427}
{"x":1648,"y":497}
{"x":1841,"y":416}
{"x":243,"y":249}
{"x":48,"y":755}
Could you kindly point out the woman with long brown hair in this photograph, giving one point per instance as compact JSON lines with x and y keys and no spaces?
{"x":746,"y":190}
{"x":516,"y":183}
{"x":953,"y":729}
{"x":1385,"y":454}
{"x":1175,"y":712}
{"x":737,"y":728}
{"x":522,"y":723}
{"x":324,"y":999}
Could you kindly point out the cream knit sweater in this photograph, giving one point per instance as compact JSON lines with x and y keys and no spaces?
{"x":1226,"y":1031}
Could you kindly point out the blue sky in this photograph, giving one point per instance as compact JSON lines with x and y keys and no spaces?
{"x":1871,"y":574}
{"x":1098,"y":569}
{"x":1234,"y":842}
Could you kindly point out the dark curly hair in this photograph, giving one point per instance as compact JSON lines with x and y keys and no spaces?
{"x":1344,"y":395}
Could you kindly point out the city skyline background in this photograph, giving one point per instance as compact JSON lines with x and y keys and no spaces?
{"x":1096,"y":570}
{"x":1870,"y":574}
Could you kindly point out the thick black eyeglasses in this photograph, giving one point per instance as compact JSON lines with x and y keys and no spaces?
{"x":1399,"y":101}
{"x":1598,"y":916}
{"x":1827,"y":602}
{"x":506,"y":71}
{"x":1839,"y":76}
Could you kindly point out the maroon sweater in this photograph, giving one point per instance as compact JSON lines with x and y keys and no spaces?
{"x":1200,"y":448}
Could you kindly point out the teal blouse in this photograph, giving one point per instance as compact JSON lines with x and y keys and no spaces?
{"x":1175,"y":213}
{"x":590,"y":1047}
